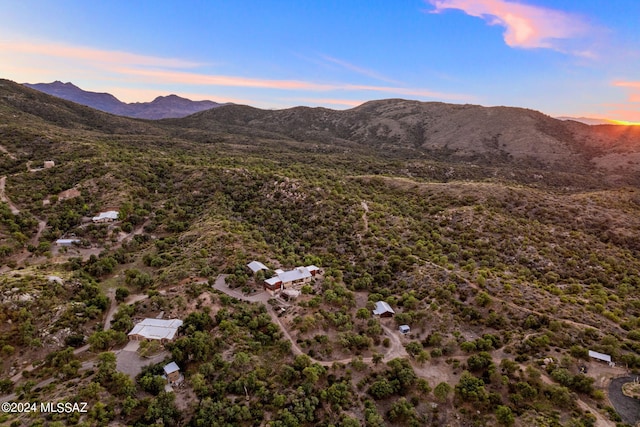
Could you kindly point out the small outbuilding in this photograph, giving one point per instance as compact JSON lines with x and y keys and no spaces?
{"x":601,"y":357}
{"x":48,"y":164}
{"x":172,"y":372}
{"x":108,"y":216}
{"x":67,"y":242}
{"x":404,"y":329}
{"x":256,"y":266}
{"x":383,"y":309}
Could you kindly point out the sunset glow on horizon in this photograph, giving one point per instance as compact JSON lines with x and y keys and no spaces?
{"x":562,"y":58}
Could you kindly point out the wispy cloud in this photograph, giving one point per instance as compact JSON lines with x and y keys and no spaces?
{"x":119,"y":71}
{"x":180,"y":77}
{"x":87,"y":54}
{"x":526,"y":26}
{"x":629,"y":84}
{"x":358,"y":70}
{"x":329,"y":101}
{"x":629,"y":110}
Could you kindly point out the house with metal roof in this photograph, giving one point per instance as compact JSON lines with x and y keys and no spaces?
{"x":155,"y":329}
{"x":383,"y":309}
{"x":286,"y":279}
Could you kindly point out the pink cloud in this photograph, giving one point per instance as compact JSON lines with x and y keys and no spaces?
{"x":526,"y":26}
{"x":329,"y":101}
{"x":632,"y":89}
{"x":164,"y":76}
{"x":633,"y":85}
{"x":28,"y":60}
{"x":86,"y":54}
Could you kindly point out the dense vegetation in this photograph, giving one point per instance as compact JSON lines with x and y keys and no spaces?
{"x":506,"y":276}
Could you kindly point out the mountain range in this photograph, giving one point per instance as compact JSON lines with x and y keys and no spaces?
{"x":160,"y":108}
{"x":467,"y":133}
{"x":506,"y":136}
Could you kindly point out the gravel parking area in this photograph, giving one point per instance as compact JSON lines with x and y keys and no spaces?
{"x":627,"y":407}
{"x":129,"y":362}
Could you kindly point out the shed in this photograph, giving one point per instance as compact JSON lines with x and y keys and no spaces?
{"x":383,"y":309}
{"x":48,"y":164}
{"x":404,"y":329}
{"x":67,"y":242}
{"x":601,"y":356}
{"x":172,"y":371}
{"x":107,"y":216}
{"x":256,"y":266}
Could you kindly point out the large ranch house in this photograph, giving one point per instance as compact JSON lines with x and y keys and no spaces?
{"x":289,"y":279}
{"x":162,"y":330}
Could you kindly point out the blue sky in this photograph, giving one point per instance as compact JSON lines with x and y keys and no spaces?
{"x":560,"y":57}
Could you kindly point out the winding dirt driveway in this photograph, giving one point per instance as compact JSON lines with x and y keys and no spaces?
{"x":4,"y":198}
{"x":396,"y":349}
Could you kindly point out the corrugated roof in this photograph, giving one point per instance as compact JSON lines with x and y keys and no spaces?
{"x":157,"y":329}
{"x":600,"y":356}
{"x":256,"y":266}
{"x":67,"y":241}
{"x":106,"y":215}
{"x":296,"y":274}
{"x":171,"y":367}
{"x":273,"y":280}
{"x":382,"y":307}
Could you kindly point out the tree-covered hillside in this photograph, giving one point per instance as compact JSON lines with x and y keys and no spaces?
{"x":507,"y":273}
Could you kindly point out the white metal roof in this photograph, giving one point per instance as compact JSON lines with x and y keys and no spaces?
{"x":157,"y":329}
{"x":273,"y":280}
{"x":106,"y":215}
{"x":256,"y":266}
{"x":382,"y":307}
{"x":66,"y":241}
{"x":296,"y":274}
{"x":600,"y":356}
{"x":171,"y":367}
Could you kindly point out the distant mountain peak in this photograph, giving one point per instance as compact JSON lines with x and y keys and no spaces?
{"x":163,"y":107}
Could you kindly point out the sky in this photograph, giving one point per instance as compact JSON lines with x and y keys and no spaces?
{"x":561,"y":57}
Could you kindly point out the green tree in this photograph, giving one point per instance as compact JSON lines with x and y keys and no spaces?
{"x":504,"y":415}
{"x":470,"y":388}
{"x":442,"y":391}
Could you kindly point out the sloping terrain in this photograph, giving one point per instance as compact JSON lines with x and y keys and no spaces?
{"x":507,"y":266}
{"x":483,"y":135}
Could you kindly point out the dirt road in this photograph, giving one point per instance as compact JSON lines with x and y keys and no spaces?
{"x":396,"y":349}
{"x":4,"y":198}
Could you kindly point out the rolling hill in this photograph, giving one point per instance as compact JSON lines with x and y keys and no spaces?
{"x":481,"y":135}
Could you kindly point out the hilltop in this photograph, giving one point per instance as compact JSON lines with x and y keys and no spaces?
{"x":506,"y":239}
